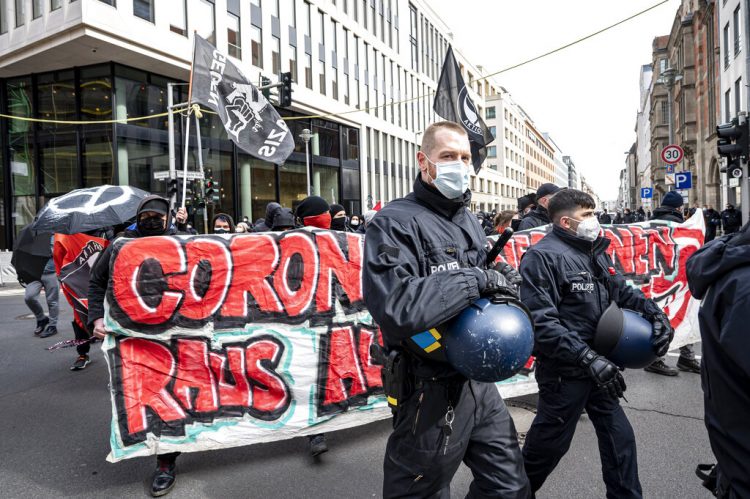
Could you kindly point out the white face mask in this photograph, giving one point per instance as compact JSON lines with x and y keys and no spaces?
{"x":588,"y":228}
{"x":451,"y":179}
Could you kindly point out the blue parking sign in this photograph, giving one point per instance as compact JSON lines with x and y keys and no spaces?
{"x":647,"y":193}
{"x":670,"y":168}
{"x":683,"y":180}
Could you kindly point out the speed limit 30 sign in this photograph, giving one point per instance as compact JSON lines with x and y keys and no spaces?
{"x":672,"y":154}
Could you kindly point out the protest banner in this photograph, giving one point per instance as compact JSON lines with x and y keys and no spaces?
{"x":229,"y":340}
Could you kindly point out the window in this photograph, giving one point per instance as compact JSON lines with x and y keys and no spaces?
{"x":55,"y":4}
{"x":20,"y":12}
{"x":413,"y":34}
{"x":727,"y":102}
{"x":256,"y":46}
{"x":275,"y":55}
{"x":738,"y":96}
{"x":736,"y":25}
{"x":322,"y":63}
{"x":491,"y":151}
{"x":36,"y":8}
{"x":178,"y":13}
{"x":347,"y":65}
{"x":3,"y":29}
{"x":292,"y":11}
{"x":334,"y":62}
{"x":490,"y":112}
{"x":144,"y":9}
{"x":726,"y":45}
{"x":364,"y":13}
{"x":234,"y":40}
{"x":205,"y":21}
{"x":356,"y":67}
{"x":664,"y":113}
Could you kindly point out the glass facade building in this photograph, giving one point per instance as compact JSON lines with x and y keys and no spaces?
{"x":44,"y":159}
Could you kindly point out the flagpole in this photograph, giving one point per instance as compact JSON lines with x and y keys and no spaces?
{"x":197,"y":115}
{"x":187,"y":125}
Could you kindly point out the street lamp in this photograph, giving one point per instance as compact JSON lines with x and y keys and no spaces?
{"x":306,"y":135}
{"x":669,"y":77}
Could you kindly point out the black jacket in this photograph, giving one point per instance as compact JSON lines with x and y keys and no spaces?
{"x":535,"y":218}
{"x":605,"y":219}
{"x":420,"y":266}
{"x":567,"y":284}
{"x":628,"y":218}
{"x":719,"y":275}
{"x":667,"y":213}
{"x":731,"y":220}
{"x":267,"y":224}
{"x":99,"y":279}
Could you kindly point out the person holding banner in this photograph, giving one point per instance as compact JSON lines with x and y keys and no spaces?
{"x":425,"y":262}
{"x":152,"y":219}
{"x":568,"y":283}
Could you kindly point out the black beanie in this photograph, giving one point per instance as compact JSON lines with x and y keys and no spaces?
{"x":312,"y":206}
{"x":672,"y":199}
{"x":335,"y":208}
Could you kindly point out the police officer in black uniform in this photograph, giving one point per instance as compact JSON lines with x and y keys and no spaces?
{"x":719,"y":276}
{"x":424,"y":263}
{"x":539,"y":215}
{"x":568,"y":282}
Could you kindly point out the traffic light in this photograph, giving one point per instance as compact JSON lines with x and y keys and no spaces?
{"x":264,"y":82}
{"x":285,"y":90}
{"x":172,"y":187}
{"x":733,"y":140}
{"x":212,"y":191}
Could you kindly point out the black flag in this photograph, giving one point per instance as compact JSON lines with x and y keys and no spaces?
{"x":452,"y":102}
{"x":250,"y":120}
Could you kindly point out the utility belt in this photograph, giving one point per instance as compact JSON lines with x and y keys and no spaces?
{"x":400,"y":381}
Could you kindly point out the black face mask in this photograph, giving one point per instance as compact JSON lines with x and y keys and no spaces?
{"x":151,"y":226}
{"x":221,"y":231}
{"x":338,"y":223}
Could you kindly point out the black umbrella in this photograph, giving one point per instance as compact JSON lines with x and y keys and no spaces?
{"x":31,"y":254}
{"x":88,"y":209}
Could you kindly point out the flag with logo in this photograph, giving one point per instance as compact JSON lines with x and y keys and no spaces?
{"x":453,"y":103}
{"x":249,"y":119}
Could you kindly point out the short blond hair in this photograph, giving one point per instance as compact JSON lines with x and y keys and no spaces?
{"x":428,"y":141}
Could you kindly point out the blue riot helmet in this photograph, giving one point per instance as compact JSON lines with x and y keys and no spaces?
{"x":624,"y":337}
{"x":490,"y":340}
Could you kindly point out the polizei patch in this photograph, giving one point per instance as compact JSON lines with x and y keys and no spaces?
{"x":582,"y":287}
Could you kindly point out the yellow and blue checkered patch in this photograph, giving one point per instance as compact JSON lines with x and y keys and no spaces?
{"x":427,"y":340}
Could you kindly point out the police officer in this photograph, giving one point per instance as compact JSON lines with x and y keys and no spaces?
{"x":424,"y":263}
{"x":568,"y":282}
{"x":719,"y":275}
{"x":539,"y":215}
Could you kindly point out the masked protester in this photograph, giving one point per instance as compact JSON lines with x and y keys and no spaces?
{"x":539,"y":216}
{"x":568,"y":282}
{"x":283,"y":220}
{"x":338,"y":217}
{"x":314,"y":211}
{"x":355,"y":224}
{"x":222,"y":224}
{"x":265,"y":224}
{"x":425,"y":261}
{"x":152,"y":219}
{"x":670,"y":211}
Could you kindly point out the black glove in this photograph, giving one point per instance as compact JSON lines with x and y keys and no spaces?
{"x":662,"y":333}
{"x":511,"y":275}
{"x":496,"y":283}
{"x":605,"y":374}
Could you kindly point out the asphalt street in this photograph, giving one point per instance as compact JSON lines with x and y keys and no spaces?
{"x":54,"y":429}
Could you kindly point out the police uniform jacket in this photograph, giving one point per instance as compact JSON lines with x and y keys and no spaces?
{"x":567,"y":284}
{"x":420,"y":268}
{"x":719,"y":275}
{"x":535,"y":218}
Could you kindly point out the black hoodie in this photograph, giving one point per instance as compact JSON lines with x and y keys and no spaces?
{"x":267,"y":224}
{"x":719,"y":275}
